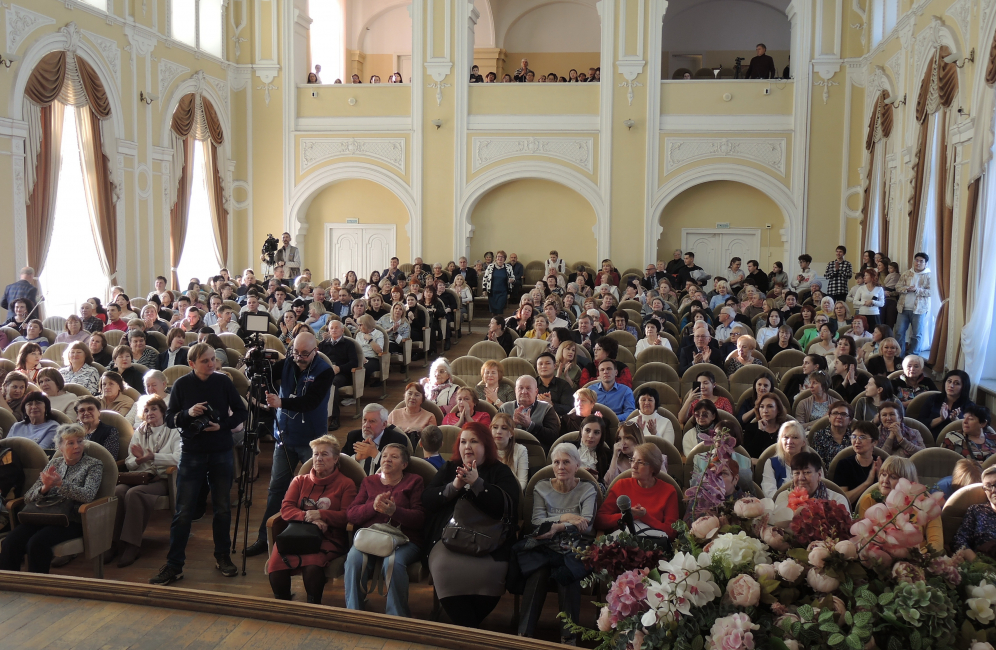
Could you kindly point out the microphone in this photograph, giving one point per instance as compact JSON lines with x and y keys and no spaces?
{"x":624,"y":504}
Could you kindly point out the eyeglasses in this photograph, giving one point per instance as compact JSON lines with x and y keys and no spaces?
{"x":860,"y":438}
{"x":304,"y":355}
{"x":989,"y":488}
{"x":840,"y":414}
{"x":637,"y":462}
{"x":808,"y":474}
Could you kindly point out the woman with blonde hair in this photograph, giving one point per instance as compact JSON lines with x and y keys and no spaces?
{"x":568,"y":368}
{"x":791,"y":440}
{"x":490,"y":389}
{"x":628,"y":438}
{"x":541,"y":328}
{"x":743,"y":355}
{"x":584,"y":406}
{"x":892,"y":470}
{"x":966,"y":472}
{"x":509,"y":451}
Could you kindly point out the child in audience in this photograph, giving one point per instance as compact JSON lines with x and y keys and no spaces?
{"x":430,"y":442}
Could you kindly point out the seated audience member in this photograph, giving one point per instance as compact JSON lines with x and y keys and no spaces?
{"x":976,"y":440}
{"x":490,"y":389}
{"x":799,"y":382}
{"x":978,"y":529}
{"x":783,"y":340}
{"x":90,"y":322}
{"x":817,"y":405}
{"x":651,"y":329}
{"x":17,"y":315}
{"x":941,"y":410}
{"x":620,"y":323}
{"x":807,"y":472}
{"x":155,"y":386}
{"x":321,"y":497}
{"x":466,"y":409}
{"x":430,"y":440}
{"x":764,"y":431}
{"x":78,"y":369}
{"x":628,"y":438}
{"x":15,"y":386}
{"x":99,"y":351}
{"x":568,"y":367}
{"x":605,"y":348}
{"x":88,"y":414}
{"x":122,"y":365}
{"x":702,"y":390}
{"x":845,"y":380}
{"x":176,"y":350}
{"x":439,"y":386}
{"x":650,"y":422}
{"x":813,"y":333}
{"x":615,"y":396}
{"x":791,"y":441}
{"x":655,"y":502}
{"x":743,"y":355}
{"x":372,"y":341}
{"x":54,"y":386}
{"x":702,"y":350}
{"x":37,"y":424}
{"x":112,"y":395}
{"x":503,"y":336}
{"x":770,"y":330}
{"x":227,"y":323}
{"x":114,"y":320}
{"x":72,"y":331}
{"x":552,"y":388}
{"x":835,"y":438}
{"x":894,"y":436}
{"x":531,"y":415}
{"x":410,"y":417}
{"x":706,"y":418}
{"x":510,"y":452}
{"x":470,"y":587}
{"x":593,"y":447}
{"x":29,"y":361}
{"x":141,"y":352}
{"x":878,"y":390}
{"x":563,"y":508}
{"x":70,"y":475}
{"x":892,"y":470}
{"x":584,"y":406}
{"x":823,"y":344}
{"x":154,"y":448}
{"x":857,"y":473}
{"x":878,"y":335}
{"x":966,"y":472}
{"x":366,"y":443}
{"x":389,"y":497}
{"x":762,"y":386}
{"x":889,"y":359}
{"x":913,"y":382}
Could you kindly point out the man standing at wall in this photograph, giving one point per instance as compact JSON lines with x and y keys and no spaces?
{"x":839,"y":272}
{"x":914,"y":302}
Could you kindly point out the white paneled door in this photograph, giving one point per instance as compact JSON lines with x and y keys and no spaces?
{"x":358,"y":247}
{"x":714,"y":248}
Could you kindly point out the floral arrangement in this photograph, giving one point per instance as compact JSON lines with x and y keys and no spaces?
{"x":609,"y":557}
{"x":737,"y":581}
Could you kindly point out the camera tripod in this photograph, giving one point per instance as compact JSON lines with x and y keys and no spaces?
{"x":250,"y":450}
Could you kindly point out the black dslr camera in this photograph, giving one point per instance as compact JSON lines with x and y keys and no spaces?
{"x":270,"y":247}
{"x":205,"y":419}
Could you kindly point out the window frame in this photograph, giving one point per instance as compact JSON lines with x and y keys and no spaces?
{"x":223,"y":7}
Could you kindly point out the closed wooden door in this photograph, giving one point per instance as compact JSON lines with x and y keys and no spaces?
{"x":361,"y":248}
{"x":714,"y":248}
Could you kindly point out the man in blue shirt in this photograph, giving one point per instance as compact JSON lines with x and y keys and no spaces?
{"x":23,"y":288}
{"x":617,"y":397}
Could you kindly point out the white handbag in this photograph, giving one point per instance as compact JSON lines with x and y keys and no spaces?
{"x":380,"y":540}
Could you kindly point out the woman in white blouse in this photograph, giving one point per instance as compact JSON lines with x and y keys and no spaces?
{"x":509,"y":451}
{"x":778,"y":468}
{"x":869,"y":298}
{"x":652,"y":329}
{"x":651,"y":422}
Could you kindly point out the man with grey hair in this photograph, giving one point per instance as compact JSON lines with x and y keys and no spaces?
{"x":537,"y":417}
{"x":24,"y":288}
{"x":365,"y":444}
{"x":726,"y":317}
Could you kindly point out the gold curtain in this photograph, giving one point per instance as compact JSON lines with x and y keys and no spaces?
{"x":95,"y":93}
{"x":881,"y":122}
{"x":991,"y":64}
{"x":942,"y":263}
{"x":971,"y":214}
{"x":178,"y":213}
{"x":99,"y":191}
{"x":44,"y":84}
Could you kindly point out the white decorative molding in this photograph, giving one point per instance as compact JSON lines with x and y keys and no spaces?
{"x":220,"y":85}
{"x":236,"y":29}
{"x":827,"y":69}
{"x":266,"y":73}
{"x":878,"y":82}
{"x":852,"y":191}
{"x":168,"y":73}
{"x":630,"y":67}
{"x":858,"y":9}
{"x":629,"y":84}
{"x":239,"y":76}
{"x":142,"y":40}
{"x":693,"y":123}
{"x":355,"y":124}
{"x":864,"y":34}
{"x":576,"y":151}
{"x":20,"y":23}
{"x":896,"y":64}
{"x":826,"y":83}
{"x":530,"y":123}
{"x":961,"y":11}
{"x":905,"y":29}
{"x":961,"y":133}
{"x":244,"y":186}
{"x":390,"y":151}
{"x":985,"y":10}
{"x":769,"y":152}
{"x":438,"y":85}
{"x":143,"y":181}
{"x":111,"y":52}
{"x":266,"y":88}
{"x":856,"y":73}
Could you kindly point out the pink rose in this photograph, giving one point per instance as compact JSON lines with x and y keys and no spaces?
{"x":847,"y":548}
{"x":818,"y":555}
{"x":705,"y":527}
{"x":765,"y":572}
{"x":605,"y":620}
{"x":773,"y":538}
{"x":820,"y":582}
{"x":637,"y":640}
{"x":733,"y":632}
{"x":748,"y":508}
{"x":744,"y":591}
{"x":789,"y":570}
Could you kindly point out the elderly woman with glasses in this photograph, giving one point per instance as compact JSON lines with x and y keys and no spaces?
{"x":893,"y":469}
{"x":807,"y":473}
{"x":857,"y":473}
{"x":654,"y":502}
{"x":978,"y":529}
{"x":835,"y":438}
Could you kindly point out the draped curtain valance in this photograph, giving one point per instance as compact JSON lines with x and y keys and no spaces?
{"x":879,"y":128}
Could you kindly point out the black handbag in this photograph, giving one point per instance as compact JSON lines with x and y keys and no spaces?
{"x":49,"y":510}
{"x":472,"y":532}
{"x":299,"y":538}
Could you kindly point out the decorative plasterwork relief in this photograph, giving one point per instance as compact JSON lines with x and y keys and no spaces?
{"x":220,"y":85}
{"x":896,"y":65}
{"x":769,"y":152}
{"x":576,"y":151}
{"x":20,"y":23}
{"x":961,"y":11}
{"x":390,"y":151}
{"x":110,"y":51}
{"x":168,"y":72}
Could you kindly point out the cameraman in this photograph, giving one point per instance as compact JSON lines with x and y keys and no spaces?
{"x":302,"y":416}
{"x":206,"y":454}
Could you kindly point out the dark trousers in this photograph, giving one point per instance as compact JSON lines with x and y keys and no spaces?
{"x":371,"y":366}
{"x":36,"y":542}
{"x":569,"y":599}
{"x":340,"y":380}
{"x":285,"y":460}
{"x":218,"y":467}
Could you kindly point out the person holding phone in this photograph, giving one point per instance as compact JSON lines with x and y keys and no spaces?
{"x":702,"y":389}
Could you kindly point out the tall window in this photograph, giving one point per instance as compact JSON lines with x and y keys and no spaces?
{"x":199,"y":24}
{"x":327,"y":37}
{"x":882,"y":19}
{"x":928,"y":223}
{"x":72,"y":272}
{"x":199,"y":259}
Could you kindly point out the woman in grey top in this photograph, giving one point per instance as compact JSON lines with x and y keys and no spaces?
{"x":563,"y":508}
{"x":73,"y":477}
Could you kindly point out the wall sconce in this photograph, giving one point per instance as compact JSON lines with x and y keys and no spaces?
{"x":629,"y":124}
{"x":148,"y":98}
{"x":437,"y":123}
{"x":9,"y":59}
{"x":895,"y":101}
{"x":953,"y":58}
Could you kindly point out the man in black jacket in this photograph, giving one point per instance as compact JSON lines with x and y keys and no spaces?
{"x":553,"y":389}
{"x":342,"y":353}
{"x":586,"y":334}
{"x":468,"y":273}
{"x":685,"y":273}
{"x":756,"y":274}
{"x":365,"y":444}
{"x":702,"y":350}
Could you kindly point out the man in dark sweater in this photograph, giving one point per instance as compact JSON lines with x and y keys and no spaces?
{"x":756,"y":274}
{"x":761,"y":66}
{"x":342,"y":353}
{"x":206,"y":453}
{"x":553,"y":389}
{"x":365,"y":444}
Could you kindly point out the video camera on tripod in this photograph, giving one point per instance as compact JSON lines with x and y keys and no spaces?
{"x":737,"y":65}
{"x":269,"y":249}
{"x":258,"y":359}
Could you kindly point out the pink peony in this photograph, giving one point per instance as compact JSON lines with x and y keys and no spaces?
{"x":744,"y":591}
{"x":818,"y":555}
{"x":872,"y":554}
{"x":847,"y":548}
{"x":705,"y":527}
{"x":789,"y":570}
{"x":605,"y":621}
{"x":748,"y":508}
{"x":627,"y":595}
{"x":947,"y":567}
{"x":819,"y":582}
{"x":765,"y":572}
{"x":773,"y":538}
{"x":733,"y":632}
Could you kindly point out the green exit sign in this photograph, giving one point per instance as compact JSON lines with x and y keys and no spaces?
{"x":725,"y":224}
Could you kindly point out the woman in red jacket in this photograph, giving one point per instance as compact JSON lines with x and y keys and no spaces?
{"x":320,"y":497}
{"x":655,"y":502}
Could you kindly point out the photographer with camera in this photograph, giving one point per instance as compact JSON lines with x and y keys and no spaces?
{"x":205,"y":407}
{"x":302,"y":412}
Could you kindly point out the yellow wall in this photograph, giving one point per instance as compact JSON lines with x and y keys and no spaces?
{"x":534,"y":99}
{"x":705,"y":97}
{"x":547,"y":62}
{"x":375,"y":100}
{"x":529,"y":217}
{"x":354,"y":199}
{"x":727,"y":58}
{"x":705,"y":205}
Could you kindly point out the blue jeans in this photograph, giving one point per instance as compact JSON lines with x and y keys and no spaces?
{"x":218,"y":468}
{"x":397,"y":593}
{"x":906,"y":319}
{"x":280,"y":477}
